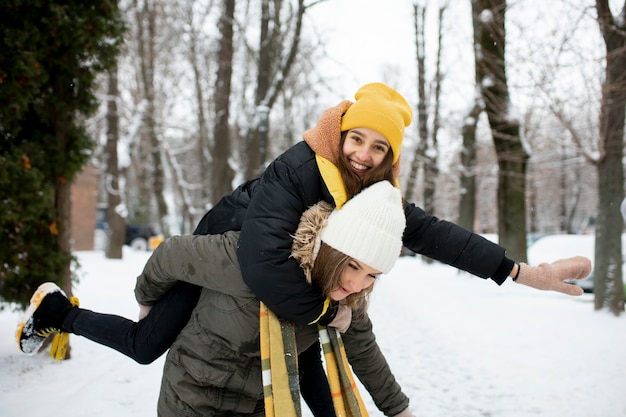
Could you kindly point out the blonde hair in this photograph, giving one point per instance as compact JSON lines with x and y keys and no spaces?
{"x":327,"y":272}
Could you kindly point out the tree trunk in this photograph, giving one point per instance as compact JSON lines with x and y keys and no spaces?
{"x":194,"y":173}
{"x":148,"y":75}
{"x":203,"y":143}
{"x":467,"y":204}
{"x":431,"y":171}
{"x":419,"y":157}
{"x":222,"y":173}
{"x":63,"y":195}
{"x":573,"y":203}
{"x":511,"y":156}
{"x":64,"y":238}
{"x":274,"y":64}
{"x":608,"y":281}
{"x":257,"y":134}
{"x":63,"y":206}
{"x":117,"y":230}
{"x":144,"y":166}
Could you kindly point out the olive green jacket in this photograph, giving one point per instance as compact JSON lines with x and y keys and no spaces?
{"x":213,"y":367}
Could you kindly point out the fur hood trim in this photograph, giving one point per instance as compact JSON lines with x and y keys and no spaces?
{"x":306,"y":242}
{"x":324,"y":138}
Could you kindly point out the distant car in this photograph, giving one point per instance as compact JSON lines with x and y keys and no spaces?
{"x":531,"y":238}
{"x":138,"y":237}
{"x":552,"y":247}
{"x":586,"y":283}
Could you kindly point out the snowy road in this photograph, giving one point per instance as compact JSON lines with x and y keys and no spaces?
{"x":458,"y":345}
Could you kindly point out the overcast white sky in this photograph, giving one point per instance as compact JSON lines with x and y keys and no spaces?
{"x":363,"y":37}
{"x":374,"y":40}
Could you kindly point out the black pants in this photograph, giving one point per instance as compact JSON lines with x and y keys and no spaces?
{"x":314,"y":383}
{"x":146,"y":340}
{"x":143,"y":341}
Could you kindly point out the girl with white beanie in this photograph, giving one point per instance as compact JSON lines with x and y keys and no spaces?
{"x":214,"y":365}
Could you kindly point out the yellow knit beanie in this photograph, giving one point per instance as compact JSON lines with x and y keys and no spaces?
{"x":380,"y":108}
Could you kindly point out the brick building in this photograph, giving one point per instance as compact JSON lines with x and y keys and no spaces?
{"x":84,"y":201}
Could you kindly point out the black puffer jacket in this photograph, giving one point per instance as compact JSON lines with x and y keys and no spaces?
{"x":268,"y":210}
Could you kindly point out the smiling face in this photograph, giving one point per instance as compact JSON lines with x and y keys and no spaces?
{"x":356,"y":277}
{"x":365,"y":149}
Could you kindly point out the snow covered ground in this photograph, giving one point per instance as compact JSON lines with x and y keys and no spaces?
{"x":458,"y":345}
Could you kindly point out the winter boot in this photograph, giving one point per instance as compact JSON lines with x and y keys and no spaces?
{"x":48,"y":308}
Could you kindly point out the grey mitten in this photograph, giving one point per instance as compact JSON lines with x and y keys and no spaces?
{"x":342,"y":320}
{"x":547,"y":276}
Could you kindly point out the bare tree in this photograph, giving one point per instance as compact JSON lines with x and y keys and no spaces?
{"x":222,"y":173}
{"x":431,"y":173}
{"x":146,"y":19}
{"x":278,"y":47}
{"x":467,"y":203}
{"x":426,"y":152}
{"x":491,"y":68}
{"x":608,"y":281}
{"x":559,"y":125}
{"x":195,"y":55}
{"x":117,"y":230}
{"x":192,"y":154}
{"x":192,"y":171}
{"x":419,"y":157}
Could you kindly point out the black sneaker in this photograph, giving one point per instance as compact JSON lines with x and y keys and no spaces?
{"x":48,"y":308}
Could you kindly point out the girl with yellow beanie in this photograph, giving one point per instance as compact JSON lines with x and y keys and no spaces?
{"x":353,"y":145}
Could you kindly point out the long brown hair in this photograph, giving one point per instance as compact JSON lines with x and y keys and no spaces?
{"x":354,"y":183}
{"x":327,"y":272}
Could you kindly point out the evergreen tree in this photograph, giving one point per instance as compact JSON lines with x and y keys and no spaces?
{"x":51,"y":52}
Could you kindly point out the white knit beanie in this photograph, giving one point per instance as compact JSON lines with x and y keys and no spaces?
{"x":369,"y":226}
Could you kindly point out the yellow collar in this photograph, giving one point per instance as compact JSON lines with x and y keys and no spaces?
{"x":332,"y":179}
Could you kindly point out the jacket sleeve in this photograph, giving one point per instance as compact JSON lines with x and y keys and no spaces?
{"x":452,"y":244}
{"x":209,"y":261}
{"x":264,"y":248}
{"x":371,"y":367}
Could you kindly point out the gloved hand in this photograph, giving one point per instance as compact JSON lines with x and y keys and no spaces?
{"x":405,"y":413}
{"x":342,"y":319}
{"x":551,"y":276}
{"x":143,"y":311}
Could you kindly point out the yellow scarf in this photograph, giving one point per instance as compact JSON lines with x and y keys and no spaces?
{"x":281,"y":385}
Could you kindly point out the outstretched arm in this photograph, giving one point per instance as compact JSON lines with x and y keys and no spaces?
{"x":454,"y":245}
{"x":470,"y":252}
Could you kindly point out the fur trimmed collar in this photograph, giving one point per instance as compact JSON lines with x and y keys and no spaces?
{"x":306,"y":242}
{"x":324,"y":138}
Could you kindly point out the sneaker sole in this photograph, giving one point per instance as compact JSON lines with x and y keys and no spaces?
{"x":35,"y":341}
